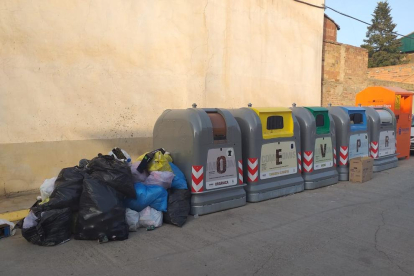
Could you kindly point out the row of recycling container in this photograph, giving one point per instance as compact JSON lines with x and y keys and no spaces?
{"x":230,"y":156}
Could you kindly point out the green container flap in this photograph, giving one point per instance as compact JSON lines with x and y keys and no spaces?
{"x":321,"y":115}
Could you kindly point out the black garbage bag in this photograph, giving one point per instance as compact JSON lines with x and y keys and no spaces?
{"x":73,"y":222}
{"x":83,"y":163}
{"x":178,"y":207}
{"x":114,"y":173}
{"x":67,"y":192}
{"x":101,"y":213}
{"x":47,"y":228}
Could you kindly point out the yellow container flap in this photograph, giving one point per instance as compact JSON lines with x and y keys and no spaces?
{"x":277,"y":122}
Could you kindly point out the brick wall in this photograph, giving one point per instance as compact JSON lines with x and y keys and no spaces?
{"x":345,"y":73}
{"x":375,"y":82}
{"x":398,"y":73}
{"x":329,"y":30}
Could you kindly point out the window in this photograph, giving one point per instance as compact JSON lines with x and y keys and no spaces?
{"x":320,"y":120}
{"x":274,"y":122}
{"x":356,"y":118}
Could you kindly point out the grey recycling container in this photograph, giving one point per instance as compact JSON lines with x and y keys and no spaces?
{"x":206,"y":145}
{"x":271,"y":144}
{"x":318,"y":143}
{"x":382,"y":125}
{"x":351,"y":129}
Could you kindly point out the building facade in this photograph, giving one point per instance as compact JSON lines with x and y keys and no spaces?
{"x":80,"y":77}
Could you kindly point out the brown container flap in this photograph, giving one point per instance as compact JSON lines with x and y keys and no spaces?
{"x":219,"y":126}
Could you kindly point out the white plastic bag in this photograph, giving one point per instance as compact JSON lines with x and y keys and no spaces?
{"x":136,"y":175}
{"x":47,"y":188}
{"x":12,"y":230}
{"x":127,"y":156}
{"x":29,"y":221}
{"x":160,"y":178}
{"x":132,"y":219}
{"x":150,"y":217}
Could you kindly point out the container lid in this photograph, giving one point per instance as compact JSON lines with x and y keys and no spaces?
{"x":219,"y":127}
{"x":385,"y":116}
{"x":399,"y":90}
{"x":316,"y":108}
{"x":277,"y":122}
{"x":351,"y":108}
{"x":321,"y":115}
{"x":357,"y":118}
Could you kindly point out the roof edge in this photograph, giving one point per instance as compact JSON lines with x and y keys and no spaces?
{"x":336,"y":24}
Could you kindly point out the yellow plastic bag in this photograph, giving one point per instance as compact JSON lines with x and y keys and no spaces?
{"x":158,"y":163}
{"x":46,"y":200}
{"x":167,"y":155}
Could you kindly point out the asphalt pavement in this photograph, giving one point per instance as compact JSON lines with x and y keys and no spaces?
{"x":344,"y":229}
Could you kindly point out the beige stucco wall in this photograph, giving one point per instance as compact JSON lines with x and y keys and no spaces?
{"x":77,"y":77}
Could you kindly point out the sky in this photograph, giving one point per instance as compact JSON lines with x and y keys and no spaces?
{"x":353,"y":32}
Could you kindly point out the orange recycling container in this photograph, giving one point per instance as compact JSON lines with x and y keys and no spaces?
{"x":400,"y":101}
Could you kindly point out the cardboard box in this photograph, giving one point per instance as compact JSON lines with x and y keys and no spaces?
{"x":360,"y":169}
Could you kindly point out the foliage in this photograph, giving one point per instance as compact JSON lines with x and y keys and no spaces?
{"x":382,"y":43}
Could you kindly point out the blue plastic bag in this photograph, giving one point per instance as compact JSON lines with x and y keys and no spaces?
{"x":179,"y":181}
{"x":148,"y":195}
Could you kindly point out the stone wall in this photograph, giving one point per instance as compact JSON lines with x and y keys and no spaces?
{"x":398,"y":73}
{"x":346,"y":73}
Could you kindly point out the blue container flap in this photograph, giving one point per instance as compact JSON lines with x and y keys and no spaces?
{"x":357,"y":118}
{"x":352,"y":108}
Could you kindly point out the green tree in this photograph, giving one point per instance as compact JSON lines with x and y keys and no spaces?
{"x":382,"y":44}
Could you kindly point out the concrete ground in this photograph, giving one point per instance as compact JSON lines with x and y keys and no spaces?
{"x":345,"y":229}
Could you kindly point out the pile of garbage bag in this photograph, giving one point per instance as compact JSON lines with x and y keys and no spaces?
{"x":162,"y":193}
{"x":108,"y":196}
